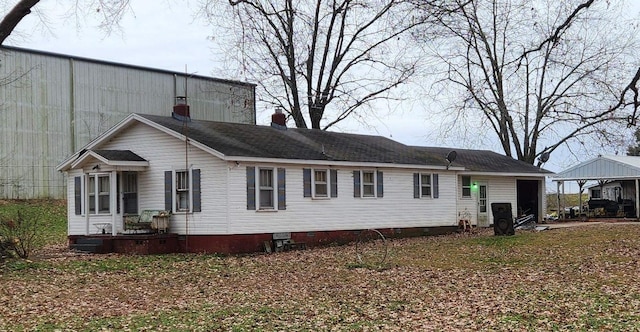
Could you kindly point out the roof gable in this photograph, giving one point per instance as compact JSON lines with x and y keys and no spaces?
{"x":603,"y":167}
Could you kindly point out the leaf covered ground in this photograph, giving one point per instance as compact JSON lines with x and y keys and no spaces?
{"x":581,"y":278}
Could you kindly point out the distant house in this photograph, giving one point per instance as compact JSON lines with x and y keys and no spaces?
{"x":230,"y":187}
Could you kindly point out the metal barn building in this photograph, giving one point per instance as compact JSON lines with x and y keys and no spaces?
{"x":51,"y":105}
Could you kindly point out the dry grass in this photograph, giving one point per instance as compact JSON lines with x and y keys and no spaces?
{"x":582,"y":278}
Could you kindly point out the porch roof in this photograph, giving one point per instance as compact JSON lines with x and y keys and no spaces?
{"x":603,"y":168}
{"x":109,"y":157}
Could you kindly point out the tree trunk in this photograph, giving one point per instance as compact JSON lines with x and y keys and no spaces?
{"x":11,"y":20}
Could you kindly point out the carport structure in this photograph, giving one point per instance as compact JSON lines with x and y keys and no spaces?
{"x":605,"y":169}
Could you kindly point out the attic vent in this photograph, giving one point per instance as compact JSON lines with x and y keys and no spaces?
{"x":181,"y":109}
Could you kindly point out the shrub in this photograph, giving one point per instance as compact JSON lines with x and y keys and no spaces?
{"x":18,"y":234}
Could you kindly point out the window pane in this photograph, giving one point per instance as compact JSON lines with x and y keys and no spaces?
{"x":92,"y":203}
{"x":426,"y":191}
{"x":266,"y":178}
{"x":266,"y":198}
{"x":182,"y":180}
{"x":92,"y":184}
{"x":367,"y":177}
{"x":182,"y":198}
{"x":321,"y":189}
{"x":103,"y":184}
{"x":321,"y":176}
{"x":466,"y":181}
{"x":368,"y":191}
{"x":103,"y":203}
{"x":426,"y":179}
{"x":466,"y":192}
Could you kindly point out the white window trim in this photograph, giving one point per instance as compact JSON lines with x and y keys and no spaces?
{"x":96,"y":194}
{"x":327,"y":173}
{"x":274,"y":192}
{"x":174,"y":193}
{"x":430,"y":185}
{"x":375,"y":183}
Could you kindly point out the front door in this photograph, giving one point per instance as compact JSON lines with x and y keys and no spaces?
{"x":483,"y":218}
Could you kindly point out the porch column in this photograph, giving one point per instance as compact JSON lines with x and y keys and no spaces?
{"x":637,"y":199}
{"x":558,"y":198}
{"x":86,"y":203}
{"x":113,"y":197}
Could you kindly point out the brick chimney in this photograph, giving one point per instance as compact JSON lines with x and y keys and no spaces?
{"x":279,"y":120}
{"x":181,"y":109}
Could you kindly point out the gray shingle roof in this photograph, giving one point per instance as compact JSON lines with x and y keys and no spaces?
{"x":485,"y":161}
{"x":244,"y":140}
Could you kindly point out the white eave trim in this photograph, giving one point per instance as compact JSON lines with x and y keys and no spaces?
{"x":101,"y":159}
{"x":520,"y":175}
{"x":591,"y":178}
{"x":334,"y":163}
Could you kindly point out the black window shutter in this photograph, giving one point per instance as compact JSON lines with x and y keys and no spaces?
{"x":168,"y":190}
{"x":306,"y":180}
{"x":380,"y":185}
{"x":356,"y":183}
{"x":333,"y":177}
{"x":77,"y":194}
{"x":251,"y":188}
{"x":196,"y":195}
{"x":416,"y":185}
{"x":282,"y":195}
{"x":435,"y":186}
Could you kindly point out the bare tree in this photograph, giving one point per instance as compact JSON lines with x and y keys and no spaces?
{"x":321,"y":61}
{"x":109,"y":12}
{"x":536,"y":73}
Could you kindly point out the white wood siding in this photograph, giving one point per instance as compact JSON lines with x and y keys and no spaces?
{"x":396,"y":209}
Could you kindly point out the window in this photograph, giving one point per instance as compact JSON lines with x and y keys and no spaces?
{"x":320,"y":183}
{"x":367,"y":184}
{"x":466,"y":186}
{"x":266,"y":189}
{"x":596,"y":193}
{"x":425,"y":185}
{"x":182,"y":191}
{"x":99,"y":191}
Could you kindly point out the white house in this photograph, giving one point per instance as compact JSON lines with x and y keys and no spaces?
{"x":230,"y":186}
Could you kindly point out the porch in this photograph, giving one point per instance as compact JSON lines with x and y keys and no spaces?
{"x":141,"y":244}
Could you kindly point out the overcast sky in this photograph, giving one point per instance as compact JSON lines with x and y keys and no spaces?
{"x":160,"y":35}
